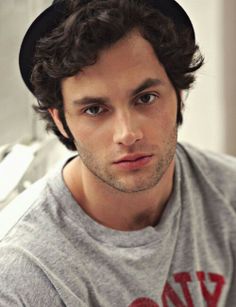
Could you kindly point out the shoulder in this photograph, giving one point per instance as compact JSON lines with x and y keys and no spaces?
{"x":23,"y":282}
{"x":25,"y":228}
{"x":208,"y":161}
{"x":33,"y":202}
{"x":215,"y":170}
{"x":20,"y":206}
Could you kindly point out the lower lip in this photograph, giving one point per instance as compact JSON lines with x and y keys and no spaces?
{"x":131,"y":165}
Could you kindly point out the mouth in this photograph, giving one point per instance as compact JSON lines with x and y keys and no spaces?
{"x":133,"y":161}
{"x":132,"y":158}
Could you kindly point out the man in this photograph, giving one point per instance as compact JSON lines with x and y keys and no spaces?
{"x":135,"y":219}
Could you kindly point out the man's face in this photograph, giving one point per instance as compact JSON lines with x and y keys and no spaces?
{"x":122,"y":114}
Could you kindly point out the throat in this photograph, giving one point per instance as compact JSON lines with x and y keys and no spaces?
{"x":114,"y":209}
{"x":131,"y":215}
{"x":144,"y":219}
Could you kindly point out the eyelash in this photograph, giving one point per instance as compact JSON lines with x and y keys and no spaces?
{"x":155,"y":96}
{"x":148,"y":94}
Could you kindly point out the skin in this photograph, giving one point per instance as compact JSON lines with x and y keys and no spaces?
{"x":109,"y":121}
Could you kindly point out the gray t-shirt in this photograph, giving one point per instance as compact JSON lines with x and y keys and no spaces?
{"x":56,"y":255}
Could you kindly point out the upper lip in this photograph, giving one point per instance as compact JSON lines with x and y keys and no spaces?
{"x":132,"y":157}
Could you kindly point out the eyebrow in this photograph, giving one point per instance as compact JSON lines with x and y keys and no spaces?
{"x":104,"y":100}
{"x":146,"y":84}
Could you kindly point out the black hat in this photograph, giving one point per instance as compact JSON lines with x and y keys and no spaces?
{"x":53,"y":15}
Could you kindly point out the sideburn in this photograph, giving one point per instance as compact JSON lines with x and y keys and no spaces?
{"x":62,"y":118}
{"x":179,"y":117}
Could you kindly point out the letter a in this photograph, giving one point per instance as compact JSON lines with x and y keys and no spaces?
{"x":182,"y":278}
{"x":211,"y":298}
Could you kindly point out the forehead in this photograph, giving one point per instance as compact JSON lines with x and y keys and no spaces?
{"x":122,"y":66}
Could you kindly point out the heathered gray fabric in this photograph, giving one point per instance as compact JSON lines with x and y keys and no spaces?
{"x":56,"y":255}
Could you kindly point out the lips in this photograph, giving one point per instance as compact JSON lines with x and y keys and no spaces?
{"x":132,"y":158}
{"x":133,"y":162}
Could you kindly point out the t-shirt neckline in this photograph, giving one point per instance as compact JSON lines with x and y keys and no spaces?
{"x":80,"y":220}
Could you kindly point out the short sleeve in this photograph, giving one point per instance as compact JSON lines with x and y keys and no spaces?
{"x":23,"y":282}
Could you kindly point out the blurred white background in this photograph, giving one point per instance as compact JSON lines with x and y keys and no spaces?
{"x":210,"y":115}
{"x":210,"y":111}
{"x":27,"y":152}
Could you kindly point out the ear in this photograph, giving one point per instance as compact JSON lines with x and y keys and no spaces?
{"x":55,"y":116}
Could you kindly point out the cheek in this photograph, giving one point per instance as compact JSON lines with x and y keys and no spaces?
{"x":93,"y":135}
{"x":168,"y":119}
{"x":168,"y":116}
{"x":164,"y":120}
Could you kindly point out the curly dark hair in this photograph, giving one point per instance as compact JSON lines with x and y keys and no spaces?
{"x":87,"y":29}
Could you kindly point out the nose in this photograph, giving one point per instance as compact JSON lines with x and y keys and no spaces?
{"x":127,"y":130}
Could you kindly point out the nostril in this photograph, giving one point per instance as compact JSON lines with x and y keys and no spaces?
{"x":128,"y":138}
{"x":127,"y":130}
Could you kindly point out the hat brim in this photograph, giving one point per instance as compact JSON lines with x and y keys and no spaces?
{"x":52,"y":16}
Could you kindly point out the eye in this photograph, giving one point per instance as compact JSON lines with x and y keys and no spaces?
{"x":94,"y":110}
{"x":146,"y":98}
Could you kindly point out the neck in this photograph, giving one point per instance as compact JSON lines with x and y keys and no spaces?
{"x":115,"y":209}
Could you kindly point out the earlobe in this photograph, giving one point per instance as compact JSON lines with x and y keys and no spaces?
{"x":56,"y":118}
